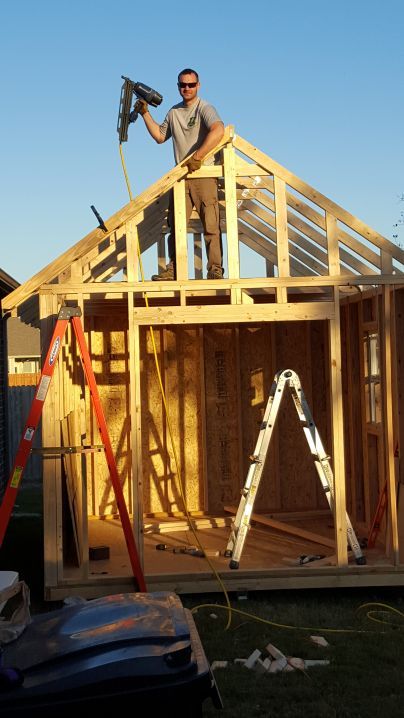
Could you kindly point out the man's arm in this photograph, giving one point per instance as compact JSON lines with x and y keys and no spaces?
{"x":153,"y":128}
{"x":213,"y":138}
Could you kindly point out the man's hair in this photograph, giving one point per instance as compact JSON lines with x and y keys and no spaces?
{"x":188,"y":71}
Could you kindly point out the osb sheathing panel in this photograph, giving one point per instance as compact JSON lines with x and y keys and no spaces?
{"x":222,"y":416}
{"x":257,"y":370}
{"x":297,"y":475}
{"x":373,"y":448}
{"x":109,"y":352}
{"x":320,"y":392}
{"x":399,"y":309}
{"x":352,"y":387}
{"x":179,"y":355}
{"x":399,"y":314}
{"x":71,"y":377}
{"x":73,"y":429}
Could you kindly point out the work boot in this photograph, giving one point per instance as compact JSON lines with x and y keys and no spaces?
{"x":166,"y":274}
{"x":215,"y":272}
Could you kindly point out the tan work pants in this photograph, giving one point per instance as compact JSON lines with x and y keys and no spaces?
{"x":201,"y":194}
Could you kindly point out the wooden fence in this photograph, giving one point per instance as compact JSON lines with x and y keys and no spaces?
{"x":21,"y":390}
{"x":24,"y":379}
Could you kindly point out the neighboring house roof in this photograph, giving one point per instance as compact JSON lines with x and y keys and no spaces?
{"x":7,"y":283}
{"x":22,"y":339}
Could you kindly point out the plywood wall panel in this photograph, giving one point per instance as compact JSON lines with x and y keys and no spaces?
{"x":347,"y":407}
{"x":109,"y":353}
{"x":91,"y":483}
{"x":298,"y":478}
{"x":373,"y":448}
{"x":399,"y":333}
{"x":178,"y":350}
{"x":157,"y":471}
{"x":399,"y":365}
{"x":256,"y":377}
{"x":183,"y":381}
{"x":352,"y":395}
{"x":222,"y":416}
{"x":320,"y":392}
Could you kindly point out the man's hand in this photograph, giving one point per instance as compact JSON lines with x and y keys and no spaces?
{"x":141,"y":107}
{"x":193,"y":164}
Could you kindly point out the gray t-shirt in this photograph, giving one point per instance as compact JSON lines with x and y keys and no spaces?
{"x":188,"y":126}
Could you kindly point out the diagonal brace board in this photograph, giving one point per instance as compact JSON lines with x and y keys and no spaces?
{"x":241,"y":523}
{"x":65,"y":315}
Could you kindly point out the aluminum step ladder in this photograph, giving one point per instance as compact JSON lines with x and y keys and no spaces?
{"x":241,"y":522}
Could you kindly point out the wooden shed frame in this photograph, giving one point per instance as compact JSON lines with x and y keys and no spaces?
{"x":323,"y":267}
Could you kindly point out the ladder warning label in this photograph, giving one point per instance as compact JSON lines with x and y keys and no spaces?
{"x":43,"y":388}
{"x":54,"y":351}
{"x":29,"y":433}
{"x":16,"y":477}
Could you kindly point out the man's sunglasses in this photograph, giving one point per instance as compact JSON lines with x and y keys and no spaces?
{"x":183,"y":85}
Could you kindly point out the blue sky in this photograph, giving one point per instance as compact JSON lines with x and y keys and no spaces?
{"x":318,"y":86}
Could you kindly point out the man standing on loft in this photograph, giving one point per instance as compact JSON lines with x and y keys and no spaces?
{"x":196,"y":128}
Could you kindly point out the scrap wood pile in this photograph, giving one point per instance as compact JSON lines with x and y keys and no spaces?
{"x":275,"y":661}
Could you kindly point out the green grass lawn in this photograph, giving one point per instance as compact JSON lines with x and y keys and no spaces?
{"x":366,"y":672}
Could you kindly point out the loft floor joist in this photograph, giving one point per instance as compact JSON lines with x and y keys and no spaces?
{"x":327,"y":302}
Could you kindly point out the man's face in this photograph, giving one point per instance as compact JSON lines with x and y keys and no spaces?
{"x":188,"y":87}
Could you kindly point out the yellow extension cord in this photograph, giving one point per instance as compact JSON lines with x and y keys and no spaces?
{"x":376,"y":608}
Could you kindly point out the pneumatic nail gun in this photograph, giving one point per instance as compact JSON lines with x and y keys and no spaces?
{"x":128,"y":91}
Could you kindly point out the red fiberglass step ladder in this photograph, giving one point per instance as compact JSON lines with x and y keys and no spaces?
{"x":378,"y":517}
{"x":67,"y":314}
{"x":380,"y":509}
